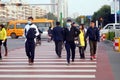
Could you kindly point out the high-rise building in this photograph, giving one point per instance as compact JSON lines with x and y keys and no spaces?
{"x":62,"y":7}
{"x":54,"y":7}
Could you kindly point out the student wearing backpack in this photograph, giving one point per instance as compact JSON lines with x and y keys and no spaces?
{"x":31,"y":31}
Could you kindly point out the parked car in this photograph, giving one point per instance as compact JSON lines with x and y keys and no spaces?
{"x":108,"y":27}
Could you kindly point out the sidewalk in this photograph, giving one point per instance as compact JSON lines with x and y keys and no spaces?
{"x":48,"y":66}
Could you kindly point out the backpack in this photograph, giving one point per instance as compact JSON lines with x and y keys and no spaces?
{"x":31,"y":33}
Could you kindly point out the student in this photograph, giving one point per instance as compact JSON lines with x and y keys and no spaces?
{"x":93,"y":34}
{"x":31,"y":32}
{"x":58,"y":38}
{"x":70,"y":32}
{"x":3,"y":40}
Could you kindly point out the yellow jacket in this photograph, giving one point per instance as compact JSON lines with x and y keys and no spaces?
{"x":82,"y":38}
{"x":3,"y":34}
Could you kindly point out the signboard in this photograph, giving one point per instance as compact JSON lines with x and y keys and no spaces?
{"x":113,"y":7}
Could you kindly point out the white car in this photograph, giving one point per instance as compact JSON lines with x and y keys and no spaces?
{"x":108,"y":27}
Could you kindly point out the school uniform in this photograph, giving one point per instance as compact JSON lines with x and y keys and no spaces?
{"x":30,"y":42}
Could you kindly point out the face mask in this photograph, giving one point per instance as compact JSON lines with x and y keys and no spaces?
{"x":68,"y":24}
{"x":29,"y":22}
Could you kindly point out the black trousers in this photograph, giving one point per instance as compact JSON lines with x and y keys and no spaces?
{"x":93,"y":47}
{"x":81,"y":51}
{"x":30,"y":49}
{"x":58,"y":47}
{"x":5,"y":46}
{"x":70,"y":48}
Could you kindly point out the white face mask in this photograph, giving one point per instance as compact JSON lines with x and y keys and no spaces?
{"x":29,"y":22}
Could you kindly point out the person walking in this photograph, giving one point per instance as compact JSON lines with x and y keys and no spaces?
{"x":58,"y":38}
{"x":50,"y":36}
{"x":82,"y":42}
{"x":70,"y":32}
{"x":94,"y":37}
{"x":31,"y":32}
{"x":3,"y":40}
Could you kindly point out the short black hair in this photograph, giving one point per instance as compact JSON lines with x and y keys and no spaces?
{"x":69,"y":20}
{"x":30,"y":18}
{"x":92,"y":21}
{"x":2,"y":25}
{"x":57,"y":23}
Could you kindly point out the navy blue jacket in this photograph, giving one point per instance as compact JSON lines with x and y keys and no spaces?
{"x":93,"y":34}
{"x":57,"y":33}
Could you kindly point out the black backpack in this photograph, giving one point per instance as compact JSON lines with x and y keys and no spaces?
{"x":31,"y":33}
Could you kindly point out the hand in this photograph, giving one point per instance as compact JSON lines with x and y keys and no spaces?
{"x":3,"y":41}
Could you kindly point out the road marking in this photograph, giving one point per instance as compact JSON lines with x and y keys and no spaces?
{"x":48,"y":76}
{"x":44,"y":59}
{"x":48,"y":62}
{"x":48,"y":70}
{"x":55,"y":66}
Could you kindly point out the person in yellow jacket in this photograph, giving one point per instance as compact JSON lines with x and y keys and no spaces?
{"x":82,"y":41}
{"x":3,"y":39}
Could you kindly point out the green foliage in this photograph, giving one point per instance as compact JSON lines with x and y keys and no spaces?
{"x":111,"y":36}
{"x":105,"y":13}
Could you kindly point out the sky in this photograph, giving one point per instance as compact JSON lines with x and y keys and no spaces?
{"x":82,"y":7}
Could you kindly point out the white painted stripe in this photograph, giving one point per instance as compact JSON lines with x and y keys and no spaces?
{"x":48,"y":76}
{"x":39,"y":56}
{"x":55,"y":66}
{"x":47,"y":70}
{"x":48,"y":62}
{"x":43,"y":59}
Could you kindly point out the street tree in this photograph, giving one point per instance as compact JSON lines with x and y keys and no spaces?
{"x":103,"y":15}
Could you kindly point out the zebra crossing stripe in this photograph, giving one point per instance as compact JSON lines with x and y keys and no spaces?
{"x":48,"y":70}
{"x":49,"y":76}
{"x":55,"y":66}
{"x":48,"y":62}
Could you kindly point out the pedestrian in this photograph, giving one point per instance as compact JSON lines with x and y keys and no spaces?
{"x":82,"y":42}
{"x":50,"y":34}
{"x":70,"y":32}
{"x":3,"y":40}
{"x":31,"y":32}
{"x":58,"y":38}
{"x":38,"y":39}
{"x":94,"y":37}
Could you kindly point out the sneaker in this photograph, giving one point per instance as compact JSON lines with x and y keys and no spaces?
{"x":94,"y":57}
{"x":91,"y":57}
{"x":68,"y":64}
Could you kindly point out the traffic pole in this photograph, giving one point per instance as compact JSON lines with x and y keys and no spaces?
{"x":115,"y":1}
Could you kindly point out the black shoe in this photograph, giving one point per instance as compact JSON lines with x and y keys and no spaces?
{"x":0,"y":57}
{"x":72,"y":60}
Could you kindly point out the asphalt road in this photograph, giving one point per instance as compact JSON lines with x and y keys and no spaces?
{"x":114,"y":58}
{"x":15,"y":43}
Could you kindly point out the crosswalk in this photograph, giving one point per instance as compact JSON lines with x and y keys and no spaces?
{"x":46,"y":67}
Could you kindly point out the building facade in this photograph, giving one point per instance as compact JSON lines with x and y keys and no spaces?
{"x":61,"y":7}
{"x":13,"y":12}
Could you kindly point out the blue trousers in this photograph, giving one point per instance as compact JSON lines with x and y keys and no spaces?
{"x":70,"y":48}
